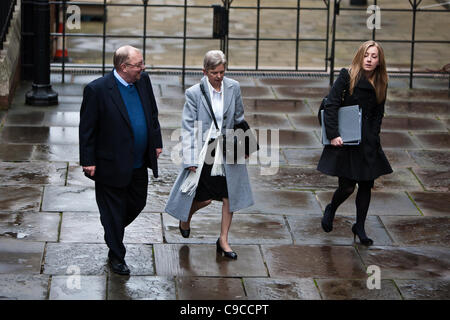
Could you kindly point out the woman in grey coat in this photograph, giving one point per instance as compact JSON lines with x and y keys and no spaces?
{"x":232,"y":186}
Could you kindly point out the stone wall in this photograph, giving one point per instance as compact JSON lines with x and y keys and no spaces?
{"x":10,"y":60}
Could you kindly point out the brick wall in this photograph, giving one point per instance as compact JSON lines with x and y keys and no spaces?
{"x":10,"y":60}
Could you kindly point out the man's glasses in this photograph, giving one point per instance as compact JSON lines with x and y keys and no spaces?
{"x":138,"y":65}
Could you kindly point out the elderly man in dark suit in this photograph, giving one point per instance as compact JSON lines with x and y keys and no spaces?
{"x":120,"y":138}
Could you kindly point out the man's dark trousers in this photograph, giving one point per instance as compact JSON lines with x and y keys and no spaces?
{"x":119,"y":207}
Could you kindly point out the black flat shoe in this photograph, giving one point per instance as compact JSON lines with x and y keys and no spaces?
{"x":184,"y":233}
{"x":119,"y":267}
{"x":362,"y":236}
{"x":228,"y":254}
{"x":327,"y":220}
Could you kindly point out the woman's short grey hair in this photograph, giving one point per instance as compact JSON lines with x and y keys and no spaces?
{"x":213,"y":59}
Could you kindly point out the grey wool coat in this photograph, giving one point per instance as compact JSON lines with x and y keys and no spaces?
{"x":196,"y":111}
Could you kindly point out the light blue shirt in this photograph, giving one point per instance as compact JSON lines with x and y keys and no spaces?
{"x":118,"y":77}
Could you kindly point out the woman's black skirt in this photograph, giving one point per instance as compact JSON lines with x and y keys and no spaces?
{"x":211,"y":188}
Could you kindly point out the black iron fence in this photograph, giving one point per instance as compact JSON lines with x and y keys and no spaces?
{"x":330,"y":11}
{"x":6,"y":12}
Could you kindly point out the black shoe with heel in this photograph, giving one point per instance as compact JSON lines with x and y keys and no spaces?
{"x":362,"y":236}
{"x":184,"y":233}
{"x":228,"y":254}
{"x":327,"y":220}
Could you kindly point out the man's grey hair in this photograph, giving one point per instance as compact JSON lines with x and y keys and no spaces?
{"x":121,"y":55}
{"x":213,"y":59}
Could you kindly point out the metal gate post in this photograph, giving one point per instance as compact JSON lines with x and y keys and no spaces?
{"x":41,"y":93}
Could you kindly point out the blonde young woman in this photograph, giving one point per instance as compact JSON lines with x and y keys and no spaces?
{"x":364,"y":84}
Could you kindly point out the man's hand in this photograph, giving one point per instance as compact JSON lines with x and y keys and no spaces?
{"x":337,"y":142}
{"x":193,"y":169}
{"x":158,"y":152}
{"x":89,"y":170}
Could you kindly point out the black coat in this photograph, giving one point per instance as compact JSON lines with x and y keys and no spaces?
{"x":367,"y":160}
{"x":105,"y":133}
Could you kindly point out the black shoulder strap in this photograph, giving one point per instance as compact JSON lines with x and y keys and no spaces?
{"x":209,"y":105}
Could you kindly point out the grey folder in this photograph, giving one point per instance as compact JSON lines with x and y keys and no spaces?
{"x":349,"y":119}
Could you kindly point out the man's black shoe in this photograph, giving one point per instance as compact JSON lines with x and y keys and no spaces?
{"x":119,"y":267}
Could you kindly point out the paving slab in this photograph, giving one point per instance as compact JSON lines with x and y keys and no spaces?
{"x":432,"y":203}
{"x":291,"y":178}
{"x":310,"y":82}
{"x":14,"y":198}
{"x":397,"y":140}
{"x":202,"y":288}
{"x":25,"y":118}
{"x":400,"y":179}
{"x":74,"y":198}
{"x":283,"y":202}
{"x":23,"y":286}
{"x":419,"y":231}
{"x":77,"y":287}
{"x":408,"y":262}
{"x":400,"y":158}
{"x":281,"y":289}
{"x":39,"y":135}
{"x":305,"y":122}
{"x":43,"y":118}
{"x":431,"y":158}
{"x":170,"y":105}
{"x":434,"y":140}
{"x":257,"y":92}
{"x":91,"y":259}
{"x":302,"y":157}
{"x":86,"y":227}
{"x":434,"y":179}
{"x":428,"y":109}
{"x":203,"y":261}
{"x":289,"y":138}
{"x":418,"y":94}
{"x":428,"y":289}
{"x":299,"y":92}
{"x":337,"y":289}
{"x":32,"y":226}
{"x":169,"y":91}
{"x":170,"y":120}
{"x":31,"y":173}
{"x":76,"y":177}
{"x":270,"y":121}
{"x":19,"y":256}
{"x":307,"y":230}
{"x":313,"y":262}
{"x":30,"y":152}
{"x":246,"y":229}
{"x":409,"y":123}
{"x":141,"y":288}
{"x":269,"y":106}
{"x":381,"y":204}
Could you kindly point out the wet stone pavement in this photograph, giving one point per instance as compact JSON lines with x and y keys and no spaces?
{"x":50,"y":230}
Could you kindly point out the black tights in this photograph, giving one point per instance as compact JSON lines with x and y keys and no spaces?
{"x":345,"y":189}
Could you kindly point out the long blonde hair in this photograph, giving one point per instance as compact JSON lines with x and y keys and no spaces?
{"x":379,"y":77}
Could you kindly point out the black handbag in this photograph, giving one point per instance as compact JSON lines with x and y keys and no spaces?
{"x":249,"y":143}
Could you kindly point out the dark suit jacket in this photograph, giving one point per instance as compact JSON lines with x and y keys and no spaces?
{"x":105,"y":133}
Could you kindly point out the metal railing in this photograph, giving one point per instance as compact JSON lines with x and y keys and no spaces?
{"x":6,"y":13}
{"x":331,"y":10}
